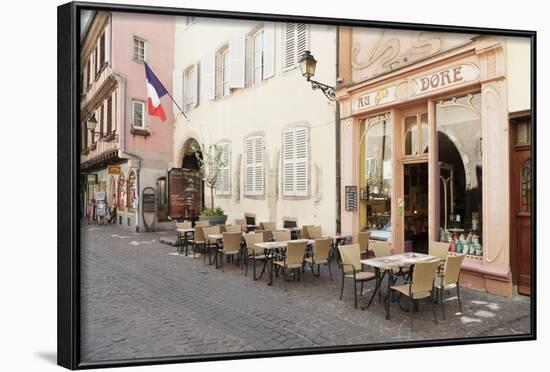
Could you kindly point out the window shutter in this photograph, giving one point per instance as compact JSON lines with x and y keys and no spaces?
{"x":288,"y":162}
{"x":249,"y":166}
{"x":237,"y":51}
{"x":195,"y":85}
{"x":289,"y":46}
{"x":208,"y":65}
{"x":259,"y":165}
{"x":269,"y":50}
{"x":301,"y":162}
{"x":301,"y":40}
{"x":224,"y":177}
{"x":177,"y":87}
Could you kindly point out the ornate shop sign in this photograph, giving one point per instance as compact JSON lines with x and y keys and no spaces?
{"x":184,"y":193}
{"x":114,"y":169}
{"x":417,"y":86}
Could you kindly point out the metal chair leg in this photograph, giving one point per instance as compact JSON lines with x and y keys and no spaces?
{"x":442,"y":299}
{"x":330,"y":272}
{"x":342,"y":289}
{"x":458,"y":298}
{"x":355,"y":291}
{"x":411,"y":310}
{"x":362,"y":281}
{"x":433,"y":308}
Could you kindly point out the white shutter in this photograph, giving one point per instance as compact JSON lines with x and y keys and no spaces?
{"x":289,"y":151}
{"x":177,"y":88}
{"x":259,"y":165}
{"x":289,"y":45}
{"x":301,"y":162}
{"x":249,"y":166}
{"x":301,"y":40}
{"x":237,"y":54}
{"x":224,"y":178}
{"x":195,"y":85}
{"x":269,"y":50}
{"x":208,"y":65}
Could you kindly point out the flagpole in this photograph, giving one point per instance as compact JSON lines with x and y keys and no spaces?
{"x":169,"y":95}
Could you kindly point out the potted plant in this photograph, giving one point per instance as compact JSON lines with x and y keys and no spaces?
{"x":210,"y":166}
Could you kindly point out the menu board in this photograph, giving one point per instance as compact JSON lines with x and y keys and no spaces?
{"x":148,"y":197}
{"x":351,"y":198}
{"x":184,"y":193}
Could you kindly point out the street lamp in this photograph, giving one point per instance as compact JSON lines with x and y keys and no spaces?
{"x":92,"y":125}
{"x":307,"y":66}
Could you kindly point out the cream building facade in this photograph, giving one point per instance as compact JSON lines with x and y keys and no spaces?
{"x":241,"y":88}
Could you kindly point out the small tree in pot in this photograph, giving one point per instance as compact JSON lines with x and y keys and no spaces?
{"x":210,"y":167}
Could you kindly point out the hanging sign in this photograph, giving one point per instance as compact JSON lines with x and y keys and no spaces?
{"x":351,"y":198}
{"x":114,"y":169}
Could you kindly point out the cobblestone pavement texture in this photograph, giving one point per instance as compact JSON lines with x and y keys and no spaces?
{"x":140,"y":299}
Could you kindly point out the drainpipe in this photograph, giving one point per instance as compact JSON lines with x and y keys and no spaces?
{"x":122,"y":152}
{"x":337,"y":138}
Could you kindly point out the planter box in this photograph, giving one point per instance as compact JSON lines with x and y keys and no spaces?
{"x":214,"y":220}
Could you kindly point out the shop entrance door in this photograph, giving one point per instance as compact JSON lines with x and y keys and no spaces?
{"x":415,"y":178}
{"x":520,"y":204}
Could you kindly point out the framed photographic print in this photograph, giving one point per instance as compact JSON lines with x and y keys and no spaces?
{"x":206,"y":166}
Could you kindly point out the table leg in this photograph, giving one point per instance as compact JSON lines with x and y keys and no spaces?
{"x":376,"y":288}
{"x":388,"y":296}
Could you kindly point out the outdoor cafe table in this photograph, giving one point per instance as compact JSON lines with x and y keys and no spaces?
{"x":184,"y":233}
{"x":391,"y":263}
{"x":269,"y":247}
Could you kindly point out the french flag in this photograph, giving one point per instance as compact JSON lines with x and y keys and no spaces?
{"x":155,"y":90}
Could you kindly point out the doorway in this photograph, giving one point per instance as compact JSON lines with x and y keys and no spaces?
{"x":415,"y":178}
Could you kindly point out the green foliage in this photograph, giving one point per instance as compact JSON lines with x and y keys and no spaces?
{"x":209,"y":212}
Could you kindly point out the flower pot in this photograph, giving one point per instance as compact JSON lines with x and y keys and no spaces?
{"x":214,"y":220}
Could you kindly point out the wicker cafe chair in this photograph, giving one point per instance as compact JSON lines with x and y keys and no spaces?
{"x":315,"y":232}
{"x":199,"y":243}
{"x":267,"y":234}
{"x":184,"y":225}
{"x":281,"y":235}
{"x":352,"y":268}
{"x":439,"y":250}
{"x":182,"y":242}
{"x":210,"y":244}
{"x":231,"y":247}
{"x":268,"y":226}
{"x":363,"y":240}
{"x":449,"y":279}
{"x":421,"y":285}
{"x":304,"y":234}
{"x":233,"y":228}
{"x":292,"y":260}
{"x":320,"y":256}
{"x":254,"y":253}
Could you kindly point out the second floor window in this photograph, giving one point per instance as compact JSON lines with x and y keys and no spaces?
{"x":138,"y":114}
{"x":139,"y":49}
{"x":190,"y":88}
{"x":258,"y":68}
{"x":296,"y":42}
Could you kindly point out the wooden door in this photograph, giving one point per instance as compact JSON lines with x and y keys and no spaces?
{"x":520,"y":203}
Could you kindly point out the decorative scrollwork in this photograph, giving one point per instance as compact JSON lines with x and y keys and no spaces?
{"x":327,"y":90}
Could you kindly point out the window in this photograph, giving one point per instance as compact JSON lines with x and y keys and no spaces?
{"x":88,"y":73}
{"x":258,"y":67}
{"x":101,"y":121}
{"x":295,"y":44}
{"x":224,"y":178}
{"x":102,"y":50}
{"x":162,"y":195}
{"x":132,"y":191}
{"x":189,"y":88}
{"x":139,"y":49}
{"x":225,"y":73}
{"x":254,"y":165}
{"x":109,"y":115}
{"x":416,"y":141}
{"x":376,"y":175}
{"x":295,"y":161}
{"x":138,"y":114}
{"x":458,"y":123}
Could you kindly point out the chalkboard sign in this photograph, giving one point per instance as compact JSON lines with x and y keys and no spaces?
{"x":148,"y":199}
{"x":351,"y":198}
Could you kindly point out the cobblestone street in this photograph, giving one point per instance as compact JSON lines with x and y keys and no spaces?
{"x":141,"y":299}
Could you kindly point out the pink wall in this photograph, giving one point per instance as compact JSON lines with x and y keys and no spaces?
{"x":158,"y":30}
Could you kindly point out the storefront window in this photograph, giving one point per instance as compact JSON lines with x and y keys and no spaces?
{"x":458,"y":122}
{"x":376,"y":173}
{"x":411,"y":136}
{"x":163,"y":200}
{"x":122,"y":192}
{"x":416,"y":142}
{"x":132,"y":192}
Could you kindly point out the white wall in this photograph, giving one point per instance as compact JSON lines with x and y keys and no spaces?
{"x":267,"y":108}
{"x":518,"y":58}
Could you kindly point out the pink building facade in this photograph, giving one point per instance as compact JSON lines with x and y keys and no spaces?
{"x":126,"y":157}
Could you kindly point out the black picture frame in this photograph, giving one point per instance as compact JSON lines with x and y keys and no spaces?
{"x":68,"y":255}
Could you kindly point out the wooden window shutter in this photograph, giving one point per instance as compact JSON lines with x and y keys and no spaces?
{"x":237,"y":56}
{"x":259,"y":165}
{"x":269,"y":50}
{"x":289,"y":46}
{"x":207,"y":73}
{"x":224,"y":178}
{"x":289,"y":151}
{"x":301,"y":40}
{"x":249,"y":166}
{"x":301,"y":161}
{"x":195,"y":85}
{"x":177,"y":87}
